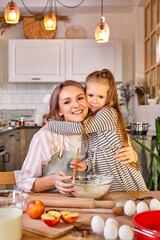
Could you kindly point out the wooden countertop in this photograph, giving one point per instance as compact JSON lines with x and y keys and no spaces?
{"x":87,"y":214}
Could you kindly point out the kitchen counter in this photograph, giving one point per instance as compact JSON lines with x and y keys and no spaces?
{"x":149,"y":136}
{"x":86,"y":214}
{"x":4,"y":130}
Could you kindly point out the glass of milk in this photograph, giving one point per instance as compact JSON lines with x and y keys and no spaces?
{"x":12,"y":205}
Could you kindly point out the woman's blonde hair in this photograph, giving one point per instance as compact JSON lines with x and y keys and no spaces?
{"x":112,"y":100}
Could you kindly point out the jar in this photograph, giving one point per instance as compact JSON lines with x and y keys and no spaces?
{"x":21,"y":121}
{"x":12,"y":124}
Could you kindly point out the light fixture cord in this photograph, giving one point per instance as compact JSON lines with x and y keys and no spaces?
{"x":55,"y":8}
{"x":32,"y":12}
{"x":50,"y":6}
{"x":101,"y":8}
{"x":70,"y":6}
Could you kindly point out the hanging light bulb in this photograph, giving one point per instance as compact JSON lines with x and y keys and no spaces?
{"x":11,"y":13}
{"x":102,"y":30}
{"x":50,"y":21}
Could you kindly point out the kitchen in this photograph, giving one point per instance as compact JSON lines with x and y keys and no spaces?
{"x":124,"y":25}
{"x":127,"y":41}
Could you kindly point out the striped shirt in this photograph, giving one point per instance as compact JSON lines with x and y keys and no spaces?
{"x":103,"y":142}
{"x":43,"y":146}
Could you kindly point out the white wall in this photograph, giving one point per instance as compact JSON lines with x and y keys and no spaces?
{"x":30,"y":96}
{"x":147,"y":113}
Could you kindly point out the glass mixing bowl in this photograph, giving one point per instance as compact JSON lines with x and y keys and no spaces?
{"x":91,"y":186}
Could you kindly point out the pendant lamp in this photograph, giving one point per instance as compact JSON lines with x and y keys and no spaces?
{"x":11,"y":13}
{"x":102,"y":30}
{"x":50,"y":21}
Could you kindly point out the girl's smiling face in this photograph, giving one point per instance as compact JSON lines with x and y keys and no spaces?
{"x":96,"y":93}
{"x":73,"y":104}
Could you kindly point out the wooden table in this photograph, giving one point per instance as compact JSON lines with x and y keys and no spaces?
{"x":118,"y":197}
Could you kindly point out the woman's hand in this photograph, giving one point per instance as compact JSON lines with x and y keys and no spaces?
{"x":60,"y":182}
{"x":80,"y":167}
{"x":126,"y":155}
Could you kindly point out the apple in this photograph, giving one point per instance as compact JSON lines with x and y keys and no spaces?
{"x":69,"y":217}
{"x":35,"y":209}
{"x":51,"y":218}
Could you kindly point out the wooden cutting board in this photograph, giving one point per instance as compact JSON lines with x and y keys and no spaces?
{"x":39,"y":227}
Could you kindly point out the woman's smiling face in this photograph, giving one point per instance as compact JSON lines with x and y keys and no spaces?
{"x":73,"y":104}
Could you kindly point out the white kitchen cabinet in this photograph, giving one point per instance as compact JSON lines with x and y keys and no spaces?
{"x":36,"y":60}
{"x":84,"y":56}
{"x":58,"y":59}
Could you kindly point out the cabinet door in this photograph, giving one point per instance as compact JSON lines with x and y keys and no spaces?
{"x":36,"y":60}
{"x":144,"y":157}
{"x":13,"y":149}
{"x":85,"y":56}
{"x":26,"y":137}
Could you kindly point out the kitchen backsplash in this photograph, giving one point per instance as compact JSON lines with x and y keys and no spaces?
{"x":13,"y":115}
{"x":23,"y":97}
{"x":19,"y":98}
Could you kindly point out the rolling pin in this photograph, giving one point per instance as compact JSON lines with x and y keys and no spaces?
{"x":73,"y":202}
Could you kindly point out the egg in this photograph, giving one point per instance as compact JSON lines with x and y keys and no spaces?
{"x":129,"y":208}
{"x":125,"y":232}
{"x":154,"y":204}
{"x":111,"y":220}
{"x":142,"y":207}
{"x":110,"y":231}
{"x":97,"y":224}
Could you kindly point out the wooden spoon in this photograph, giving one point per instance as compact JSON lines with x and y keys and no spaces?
{"x":74,"y":171}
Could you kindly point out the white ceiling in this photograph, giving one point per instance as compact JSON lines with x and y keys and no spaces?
{"x":88,"y":6}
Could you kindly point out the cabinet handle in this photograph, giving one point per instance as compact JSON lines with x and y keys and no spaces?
{"x":36,"y":78}
{"x":18,"y":136}
{"x":8,"y":160}
{"x":2,"y":153}
{"x":11,"y":135}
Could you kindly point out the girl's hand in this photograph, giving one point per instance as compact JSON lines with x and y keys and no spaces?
{"x":126,"y":155}
{"x":80,"y":167}
{"x":60,"y":182}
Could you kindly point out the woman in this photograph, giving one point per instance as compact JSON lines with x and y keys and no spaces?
{"x":48,"y":160}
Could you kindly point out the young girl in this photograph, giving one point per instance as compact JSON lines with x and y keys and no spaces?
{"x":106,"y":133}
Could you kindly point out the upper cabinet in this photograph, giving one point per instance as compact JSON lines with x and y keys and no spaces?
{"x":58,"y":59}
{"x":85,"y":56}
{"x":36,"y":60}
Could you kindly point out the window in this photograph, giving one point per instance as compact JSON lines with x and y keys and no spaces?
{"x":152,"y":46}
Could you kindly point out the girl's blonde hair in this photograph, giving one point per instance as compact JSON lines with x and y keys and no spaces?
{"x":112,"y":100}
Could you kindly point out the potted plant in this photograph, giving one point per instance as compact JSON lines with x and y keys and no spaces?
{"x":155,"y":178}
{"x":142,"y":91}
{"x":125,"y":92}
